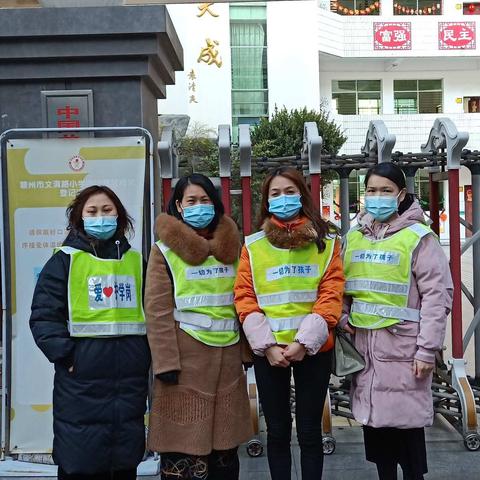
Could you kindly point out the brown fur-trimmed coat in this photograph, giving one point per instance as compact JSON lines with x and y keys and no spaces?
{"x":209,"y":408}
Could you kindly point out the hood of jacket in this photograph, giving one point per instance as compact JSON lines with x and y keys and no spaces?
{"x":195,"y":249}
{"x":378,"y":230}
{"x":289,"y":235}
{"x":100,"y":248}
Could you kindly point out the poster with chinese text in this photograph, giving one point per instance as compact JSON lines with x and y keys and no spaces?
{"x":43,"y":176}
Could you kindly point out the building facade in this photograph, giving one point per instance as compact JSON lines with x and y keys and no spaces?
{"x":403,"y":61}
{"x":242,"y":60}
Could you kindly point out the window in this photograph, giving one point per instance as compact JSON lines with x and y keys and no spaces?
{"x":471,"y":104}
{"x":417,"y":7}
{"x":418,"y":96}
{"x":248,"y":37}
{"x":356,"y":97}
{"x":471,"y":8}
{"x":355,"y":7}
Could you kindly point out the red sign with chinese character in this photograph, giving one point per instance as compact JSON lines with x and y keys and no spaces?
{"x":67,"y":118}
{"x":456,"y":35}
{"x":392,"y":36}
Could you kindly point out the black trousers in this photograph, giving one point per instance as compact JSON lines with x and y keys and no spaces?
{"x":118,"y":475}
{"x":219,"y":465}
{"x":311,"y":377}
{"x":389,"y":447}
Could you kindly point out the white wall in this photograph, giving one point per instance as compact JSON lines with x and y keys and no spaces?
{"x":456,"y":84}
{"x":411,"y":130}
{"x":292,"y":54}
{"x":213,"y":84}
{"x":352,"y":36}
{"x":292,"y":61}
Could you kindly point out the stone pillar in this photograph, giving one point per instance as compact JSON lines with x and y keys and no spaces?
{"x":126,"y":55}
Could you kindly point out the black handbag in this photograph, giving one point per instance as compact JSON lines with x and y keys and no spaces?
{"x":345,"y":359}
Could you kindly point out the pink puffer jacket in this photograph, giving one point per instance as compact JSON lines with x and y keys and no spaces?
{"x":386,"y":393}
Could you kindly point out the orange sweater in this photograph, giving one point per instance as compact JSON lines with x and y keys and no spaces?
{"x":330,"y":289}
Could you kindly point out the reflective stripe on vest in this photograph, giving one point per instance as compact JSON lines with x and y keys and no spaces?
{"x":204,"y":299}
{"x":378,"y":275}
{"x":199,"y":321}
{"x":285,"y":324}
{"x":286,"y":281}
{"x":286,"y":297}
{"x":184,"y":303}
{"x":105,"y":295}
{"x":376,"y":286}
{"x":386,"y":311}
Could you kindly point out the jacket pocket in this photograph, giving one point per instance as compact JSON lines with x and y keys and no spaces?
{"x":397,"y":343}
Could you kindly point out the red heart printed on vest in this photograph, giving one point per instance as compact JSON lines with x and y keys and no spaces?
{"x":108,"y":291}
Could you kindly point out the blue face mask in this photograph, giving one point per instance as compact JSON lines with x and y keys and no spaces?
{"x":285,"y":206}
{"x":102,"y":228}
{"x":199,"y":216}
{"x":381,"y":207}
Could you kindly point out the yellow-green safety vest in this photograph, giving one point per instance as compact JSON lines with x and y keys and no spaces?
{"x":204,"y":298}
{"x":378,"y":274}
{"x":105,"y":295}
{"x":286,"y":281}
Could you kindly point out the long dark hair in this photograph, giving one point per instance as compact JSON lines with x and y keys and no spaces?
{"x":203,"y":182}
{"x":74,"y":210}
{"x":308,"y":209}
{"x":394,"y":174}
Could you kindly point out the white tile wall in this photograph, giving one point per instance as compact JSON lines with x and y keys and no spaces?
{"x":411,"y":131}
{"x":352,"y":36}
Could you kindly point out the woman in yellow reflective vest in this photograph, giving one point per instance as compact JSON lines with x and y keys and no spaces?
{"x":200,"y":412}
{"x":398,"y":295}
{"x":288,"y":294}
{"x":87,"y":318}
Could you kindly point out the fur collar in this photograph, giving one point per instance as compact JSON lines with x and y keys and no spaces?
{"x":289,"y":236}
{"x":193,"y":248}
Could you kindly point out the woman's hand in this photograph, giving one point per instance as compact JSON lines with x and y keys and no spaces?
{"x":349,"y":329}
{"x":422,"y":369}
{"x":170,"y":378}
{"x":295,"y":352}
{"x":275,"y":356}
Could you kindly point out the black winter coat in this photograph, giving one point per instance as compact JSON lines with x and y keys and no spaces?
{"x":99,"y":408}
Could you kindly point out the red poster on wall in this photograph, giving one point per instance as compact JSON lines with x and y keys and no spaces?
{"x":456,"y":35}
{"x":392,"y":36}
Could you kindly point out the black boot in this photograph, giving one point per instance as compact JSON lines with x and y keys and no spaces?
{"x":224,"y":465}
